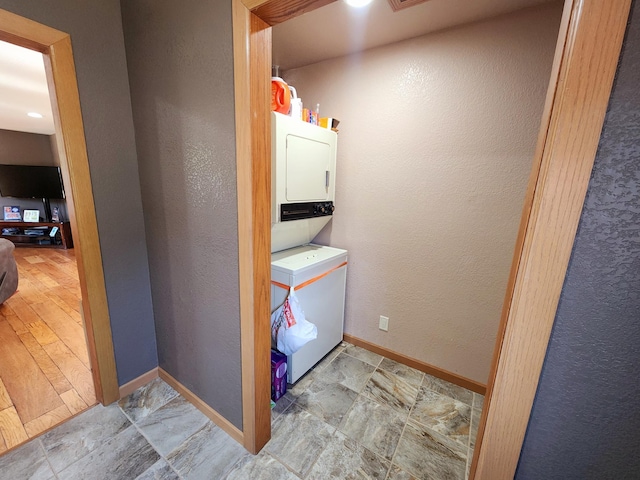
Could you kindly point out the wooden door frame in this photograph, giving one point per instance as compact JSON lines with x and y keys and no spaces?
{"x":587,"y":52}
{"x":65,"y":101}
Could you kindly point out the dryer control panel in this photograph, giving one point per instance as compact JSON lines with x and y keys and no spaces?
{"x":297,"y":211}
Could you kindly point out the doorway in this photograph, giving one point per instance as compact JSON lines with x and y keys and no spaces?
{"x":555,"y":195}
{"x":436,"y":137}
{"x":56,"y":49}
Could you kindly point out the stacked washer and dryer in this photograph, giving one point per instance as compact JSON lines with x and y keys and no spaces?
{"x":303,"y":193}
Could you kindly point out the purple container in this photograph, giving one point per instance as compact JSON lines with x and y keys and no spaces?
{"x":278,"y":375}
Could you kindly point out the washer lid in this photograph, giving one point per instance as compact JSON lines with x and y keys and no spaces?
{"x":296,"y":259}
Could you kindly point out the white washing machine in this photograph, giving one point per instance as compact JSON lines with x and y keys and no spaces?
{"x":318,"y":275}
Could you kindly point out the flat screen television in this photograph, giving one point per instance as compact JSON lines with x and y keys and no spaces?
{"x":32,"y":181}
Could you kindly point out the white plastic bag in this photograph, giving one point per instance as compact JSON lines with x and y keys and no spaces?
{"x":290,"y":330}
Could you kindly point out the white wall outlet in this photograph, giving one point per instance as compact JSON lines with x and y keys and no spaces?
{"x":384,"y":323}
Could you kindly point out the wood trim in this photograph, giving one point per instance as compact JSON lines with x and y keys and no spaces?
{"x":260,"y":67}
{"x":63,"y":88}
{"x":241,"y":32}
{"x":253,"y":4}
{"x":524,"y":218}
{"x":252,"y":59}
{"x":212,"y":414}
{"x":27,"y":33}
{"x":130,"y":387}
{"x":418,"y":365}
{"x":582,"y":87}
{"x":274,"y":12}
{"x":533,"y":179}
{"x":65,"y":99}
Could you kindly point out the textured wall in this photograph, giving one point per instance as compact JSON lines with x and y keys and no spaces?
{"x":22,"y":148}
{"x":98,"y":46}
{"x":181,"y":72}
{"x":436,"y":140}
{"x":585,"y":423}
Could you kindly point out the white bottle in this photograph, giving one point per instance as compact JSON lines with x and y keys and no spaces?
{"x":296,"y":104}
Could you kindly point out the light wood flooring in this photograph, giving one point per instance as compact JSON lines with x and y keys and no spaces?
{"x":45,"y":375}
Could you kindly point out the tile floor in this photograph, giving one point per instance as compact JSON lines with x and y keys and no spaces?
{"x":357,"y":415}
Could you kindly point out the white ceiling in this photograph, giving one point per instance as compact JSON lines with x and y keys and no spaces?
{"x":328,"y":32}
{"x":337,"y":29}
{"x":23,"y":89}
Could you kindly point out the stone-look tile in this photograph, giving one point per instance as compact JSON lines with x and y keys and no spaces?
{"x":396,"y":473}
{"x":378,"y":427}
{"x":328,"y":358}
{"x":476,"y":413}
{"x":298,"y":438}
{"x":295,"y":390}
{"x":147,"y":399}
{"x":124,"y":457}
{"x":81,"y":435}
{"x":408,"y":374}
{"x":159,"y":471}
{"x":391,"y":390}
{"x":282,"y":404}
{"x":443,"y":414}
{"x":364,"y":355}
{"x":328,"y":400}
{"x":170,"y":425}
{"x":260,"y":467}
{"x":349,"y":371}
{"x":449,"y":389}
{"x":427,"y":454}
{"x":26,"y":462}
{"x":346,"y":459}
{"x":478,"y":401}
{"x":209,"y":453}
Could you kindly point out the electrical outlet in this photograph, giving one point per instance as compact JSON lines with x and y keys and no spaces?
{"x":384,"y":323}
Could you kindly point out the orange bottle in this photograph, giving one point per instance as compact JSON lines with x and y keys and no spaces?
{"x":280,"y":95}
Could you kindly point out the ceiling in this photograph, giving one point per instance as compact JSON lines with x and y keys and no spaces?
{"x":23,"y":89}
{"x":337,"y":29}
{"x":328,"y":32}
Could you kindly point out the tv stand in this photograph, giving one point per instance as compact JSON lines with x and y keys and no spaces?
{"x":62,"y":238}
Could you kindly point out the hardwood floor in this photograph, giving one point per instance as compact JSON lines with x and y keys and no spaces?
{"x":45,"y":375}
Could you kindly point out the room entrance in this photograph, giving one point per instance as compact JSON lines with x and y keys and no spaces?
{"x":586,"y":56}
{"x":70,"y":145}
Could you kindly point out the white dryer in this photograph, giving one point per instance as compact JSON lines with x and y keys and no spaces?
{"x":303,"y":180}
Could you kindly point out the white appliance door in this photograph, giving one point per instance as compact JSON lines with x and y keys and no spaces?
{"x":323,"y":305}
{"x":308,"y":166}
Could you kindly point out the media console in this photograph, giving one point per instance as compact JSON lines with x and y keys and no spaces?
{"x":40,"y":236}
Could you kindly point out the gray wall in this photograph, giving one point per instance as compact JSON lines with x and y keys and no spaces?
{"x":585,"y":421}
{"x":180,"y":61}
{"x":22,"y":148}
{"x":98,"y":45}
